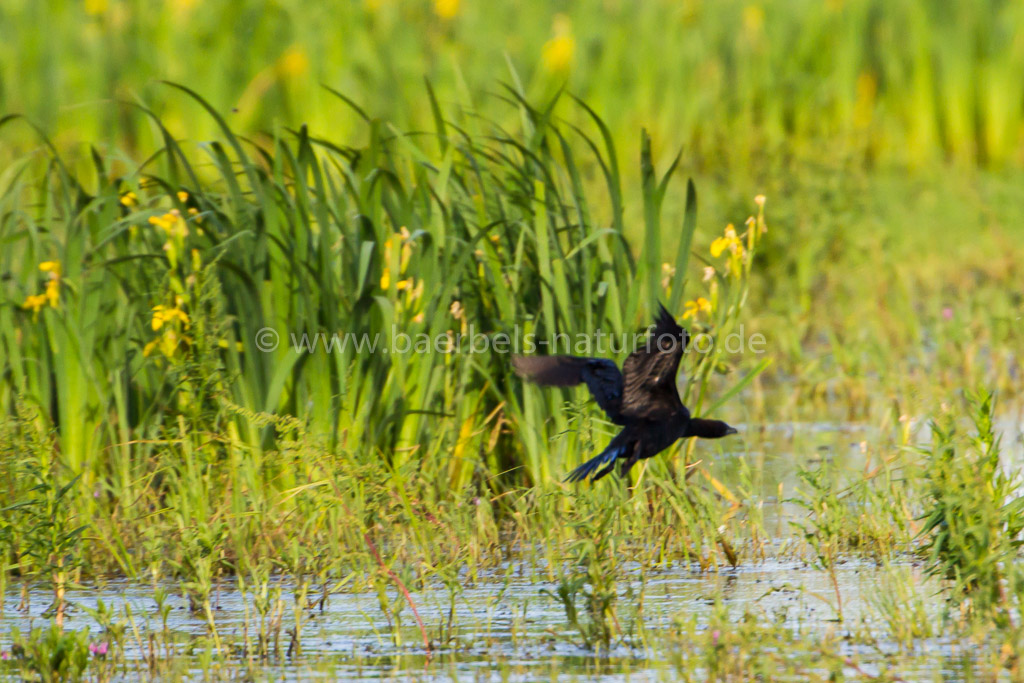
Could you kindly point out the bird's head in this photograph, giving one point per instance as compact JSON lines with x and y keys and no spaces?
{"x":709,"y":429}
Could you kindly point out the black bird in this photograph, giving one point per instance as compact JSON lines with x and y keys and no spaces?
{"x":643,"y":398}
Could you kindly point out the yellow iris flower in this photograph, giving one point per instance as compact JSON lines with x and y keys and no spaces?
{"x":728,"y":241}
{"x":696,"y":307}
{"x":557,"y":54}
{"x":51,"y":295}
{"x":164,"y":314}
{"x":446,"y":9}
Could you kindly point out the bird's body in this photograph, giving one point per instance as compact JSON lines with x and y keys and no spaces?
{"x":642,"y":398}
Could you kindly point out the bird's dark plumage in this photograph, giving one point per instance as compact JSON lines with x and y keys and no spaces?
{"x":601,"y":376}
{"x":643,"y":398}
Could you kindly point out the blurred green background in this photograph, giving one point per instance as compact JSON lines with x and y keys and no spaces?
{"x":895,"y":81}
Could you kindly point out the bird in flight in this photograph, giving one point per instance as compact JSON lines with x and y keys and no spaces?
{"x":642,"y":398}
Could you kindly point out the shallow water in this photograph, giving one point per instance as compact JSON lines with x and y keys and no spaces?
{"x":507,"y":627}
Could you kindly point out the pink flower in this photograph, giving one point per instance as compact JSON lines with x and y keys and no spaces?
{"x":947,"y":313}
{"x":5,"y":655}
{"x":98,"y":649}
{"x":714,"y":636}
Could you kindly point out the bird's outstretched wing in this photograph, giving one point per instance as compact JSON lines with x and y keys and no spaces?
{"x":649,"y":388}
{"x":602,"y":377}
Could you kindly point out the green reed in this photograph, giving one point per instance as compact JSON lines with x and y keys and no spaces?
{"x":193,"y":457}
{"x":880,"y":81}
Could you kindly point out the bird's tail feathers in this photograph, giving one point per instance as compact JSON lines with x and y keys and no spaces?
{"x":607,"y":457}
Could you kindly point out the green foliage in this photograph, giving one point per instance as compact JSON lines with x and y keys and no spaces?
{"x":188,"y":266}
{"x":591,"y":570}
{"x":873,"y":79}
{"x":133,"y":295}
{"x":49,"y":654}
{"x":41,"y":531}
{"x":973,"y":521}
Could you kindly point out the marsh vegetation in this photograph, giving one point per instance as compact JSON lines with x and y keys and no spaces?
{"x":186,"y":494}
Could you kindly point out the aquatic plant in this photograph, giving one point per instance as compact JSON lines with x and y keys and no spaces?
{"x":823,"y":528}
{"x":973,"y":520}
{"x":591,"y":570}
{"x":43,"y":526}
{"x":51,"y":653}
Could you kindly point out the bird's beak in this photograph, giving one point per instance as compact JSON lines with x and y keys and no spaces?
{"x":731,"y":430}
